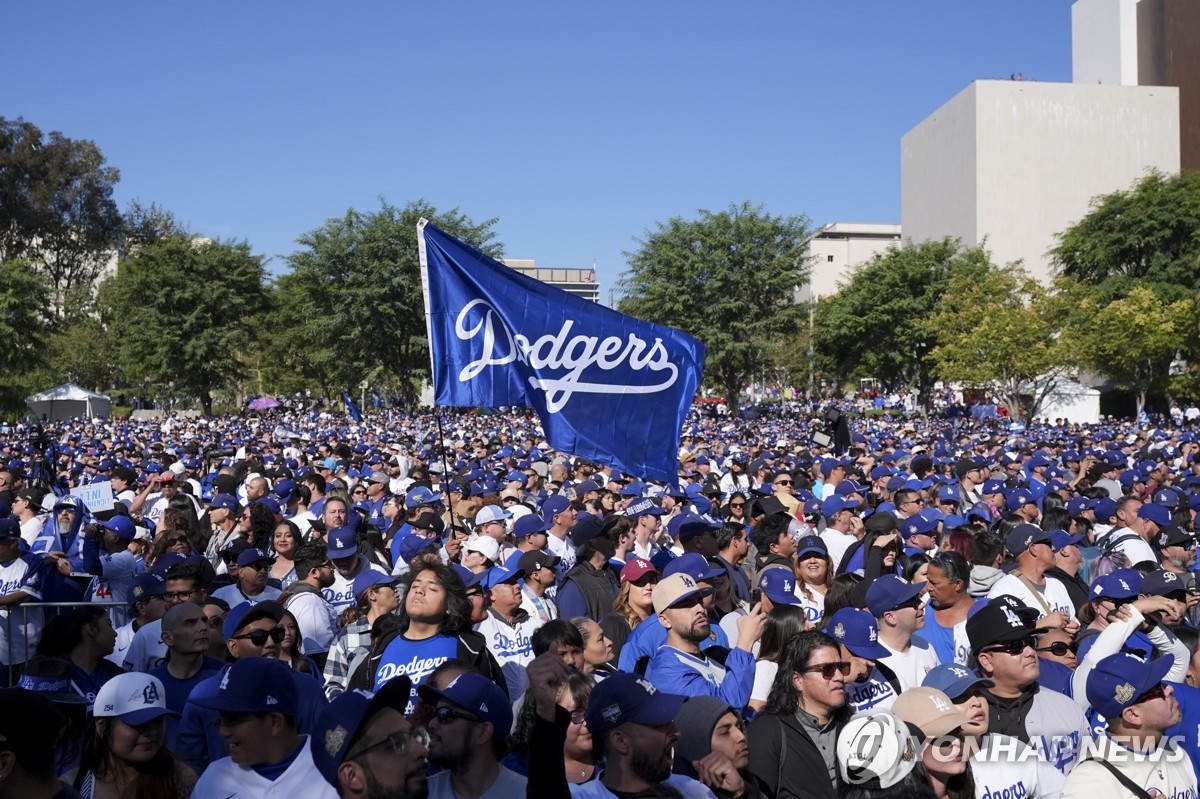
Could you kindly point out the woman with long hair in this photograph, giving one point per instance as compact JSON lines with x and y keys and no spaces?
{"x":125,"y":753}
{"x":634,"y":602}
{"x":84,"y":638}
{"x":256,"y":524}
{"x":784,"y":622}
{"x":285,"y":540}
{"x":168,"y":540}
{"x":734,"y":511}
{"x":289,"y":648}
{"x":799,"y":724}
{"x":577,"y":748}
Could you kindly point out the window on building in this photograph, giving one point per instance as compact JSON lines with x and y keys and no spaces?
{"x":829,"y":259}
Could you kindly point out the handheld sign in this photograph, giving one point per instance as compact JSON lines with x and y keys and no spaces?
{"x":97,"y":496}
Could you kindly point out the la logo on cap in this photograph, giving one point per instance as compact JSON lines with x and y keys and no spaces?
{"x":650,"y":689}
{"x":224,"y":682}
{"x":1013,"y":619}
{"x":149,"y":695}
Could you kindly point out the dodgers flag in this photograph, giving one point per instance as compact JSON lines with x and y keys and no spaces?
{"x":607,"y":387}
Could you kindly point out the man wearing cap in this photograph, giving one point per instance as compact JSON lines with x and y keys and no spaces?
{"x":468,"y":732}
{"x":508,"y":626}
{"x":1001,"y":634}
{"x":1067,"y":563}
{"x":316,"y":618}
{"x":480,"y":554}
{"x":377,"y":494}
{"x":1130,"y":537}
{"x":146,"y":605}
{"x":970,"y":476}
{"x":647,"y":518}
{"x":1034,"y":550}
{"x":920,"y":533}
{"x":22,"y":579}
{"x":680,"y":662}
{"x":106,"y":555}
{"x":538,"y":568}
{"x":897,"y":607}
{"x":222,"y":516}
{"x":185,"y":631}
{"x":348,"y":563}
{"x":589,"y":587}
{"x":1134,"y":752}
{"x":840,"y":532}
{"x":259,"y":709}
{"x":870,"y":685}
{"x":251,"y":584}
{"x":559,"y":516}
{"x":364,"y":746}
{"x":252,"y":633}
{"x":633,"y":733}
{"x":777,"y":587}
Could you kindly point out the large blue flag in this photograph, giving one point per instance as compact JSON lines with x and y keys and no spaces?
{"x":607,"y":387}
{"x":351,"y":408}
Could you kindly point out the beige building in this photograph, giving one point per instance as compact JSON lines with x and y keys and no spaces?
{"x":837,"y":248}
{"x":580,"y":282}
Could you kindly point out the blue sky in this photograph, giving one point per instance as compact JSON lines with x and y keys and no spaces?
{"x":579,"y":125}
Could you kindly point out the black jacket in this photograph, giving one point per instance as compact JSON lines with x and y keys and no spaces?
{"x":472,"y":648}
{"x":784,"y":761}
{"x":1077,"y":589}
{"x":597,"y":586}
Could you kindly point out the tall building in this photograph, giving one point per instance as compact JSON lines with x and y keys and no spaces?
{"x":580,"y":282}
{"x":1016,"y":162}
{"x":837,"y":248}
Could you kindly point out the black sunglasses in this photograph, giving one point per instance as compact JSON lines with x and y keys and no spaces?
{"x":1013,"y":647}
{"x":1157,"y":692}
{"x":1058,"y":648}
{"x":447,"y":715}
{"x":829,"y":669}
{"x":913,"y":603}
{"x":259,"y":637}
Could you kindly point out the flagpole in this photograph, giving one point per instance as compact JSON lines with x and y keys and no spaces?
{"x":445,"y":469}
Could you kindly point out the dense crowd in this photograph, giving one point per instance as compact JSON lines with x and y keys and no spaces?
{"x":444,"y":605}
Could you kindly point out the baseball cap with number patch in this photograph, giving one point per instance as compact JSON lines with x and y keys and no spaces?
{"x":626,"y":698}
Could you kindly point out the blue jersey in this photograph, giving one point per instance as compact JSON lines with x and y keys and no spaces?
{"x":414,"y":659}
{"x":679,"y":672}
{"x":648,"y":636}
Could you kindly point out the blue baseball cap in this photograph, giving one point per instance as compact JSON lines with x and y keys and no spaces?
{"x":888,"y":591}
{"x":1078,"y":505}
{"x":810,"y":545}
{"x":345,"y":716}
{"x":1117,"y":584}
{"x":369,"y":579}
{"x":146,"y":585}
{"x":343,"y":542}
{"x":1104,"y":509}
{"x":694,"y":565}
{"x":1158,"y":514}
{"x":626,"y":698}
{"x":227,"y":501}
{"x":477,"y":695}
{"x":1161,"y":582}
{"x":993,"y":487}
{"x":498,"y":575}
{"x":1023,"y":536}
{"x":640,"y":507}
{"x":687,"y":526}
{"x":420,"y":496}
{"x":1061,"y":539}
{"x":1120,"y":680}
{"x":1019,"y":498}
{"x":918,"y":524}
{"x":858,"y":631}
{"x":246,"y":612}
{"x":553,"y":506}
{"x":528,"y":524}
{"x":778,"y":584}
{"x":953,"y":680}
{"x":256,"y":685}
{"x":470,"y":579}
{"x":948,"y":494}
{"x":835,"y":504}
{"x":252,"y":555}
{"x":122,"y":526}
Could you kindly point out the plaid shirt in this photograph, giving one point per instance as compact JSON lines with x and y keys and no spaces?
{"x":352,"y":640}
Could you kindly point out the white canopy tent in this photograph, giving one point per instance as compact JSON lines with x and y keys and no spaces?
{"x":66,"y":401}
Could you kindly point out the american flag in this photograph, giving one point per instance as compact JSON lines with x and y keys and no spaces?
{"x":590,"y":277}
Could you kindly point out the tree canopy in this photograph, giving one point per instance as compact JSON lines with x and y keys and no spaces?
{"x":727,"y":278}
{"x":181,"y":308}
{"x":56,"y":206}
{"x":353,"y":300}
{"x":878,"y":324}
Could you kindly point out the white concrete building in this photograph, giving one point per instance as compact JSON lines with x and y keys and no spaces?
{"x":837,"y":248}
{"x":1016,"y":162}
{"x":580,"y":282}
{"x":1104,"y":42}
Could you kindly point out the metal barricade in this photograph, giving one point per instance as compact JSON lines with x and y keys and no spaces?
{"x":20,"y":616}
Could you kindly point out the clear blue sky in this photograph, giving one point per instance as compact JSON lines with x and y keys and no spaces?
{"x":579,"y":125}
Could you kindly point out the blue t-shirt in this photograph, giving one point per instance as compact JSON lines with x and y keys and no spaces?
{"x":177,"y":691}
{"x":415,"y":659}
{"x":1187,"y":731}
{"x":941,"y":638}
{"x":648,"y":636}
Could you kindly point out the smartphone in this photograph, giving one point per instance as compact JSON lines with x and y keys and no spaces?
{"x":755,"y":597}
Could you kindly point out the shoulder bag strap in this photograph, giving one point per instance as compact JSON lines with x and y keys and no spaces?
{"x":1130,"y":785}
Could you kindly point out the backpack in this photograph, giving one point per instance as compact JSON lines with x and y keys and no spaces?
{"x":1110,"y":560}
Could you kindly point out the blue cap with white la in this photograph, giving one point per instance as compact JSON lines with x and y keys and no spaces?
{"x":343,"y":542}
{"x":953,"y":680}
{"x":778,"y":584}
{"x":256,"y":685}
{"x":857,"y":630}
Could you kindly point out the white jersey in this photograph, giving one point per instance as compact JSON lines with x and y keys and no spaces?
{"x":911,"y":667}
{"x":125,"y":635}
{"x":225,"y":779}
{"x":1166,"y":771}
{"x":341,"y":594}
{"x":1055,"y":595}
{"x":23,"y":573}
{"x":873,"y":693}
{"x":512,"y":646}
{"x":563,"y":548}
{"x":147,"y":650}
{"x":837,"y":542}
{"x":115,"y":583}
{"x":1006,"y":767}
{"x":316,"y":619}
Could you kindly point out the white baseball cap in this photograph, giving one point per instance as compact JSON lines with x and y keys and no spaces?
{"x":486,"y":546}
{"x":134,"y":698}
{"x":490,"y":513}
{"x":876,"y":745}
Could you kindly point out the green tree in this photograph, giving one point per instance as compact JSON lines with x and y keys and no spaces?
{"x":1147,"y":236}
{"x":353,"y":301}
{"x":999,"y":331}
{"x":24,"y":323}
{"x":1131,"y":340}
{"x":877,"y":325}
{"x":56,"y":206}
{"x":181,"y":310}
{"x":727,"y":278}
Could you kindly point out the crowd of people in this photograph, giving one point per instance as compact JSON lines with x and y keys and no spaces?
{"x":420,"y":605}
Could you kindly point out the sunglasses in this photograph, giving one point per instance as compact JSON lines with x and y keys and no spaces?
{"x":737,"y":504}
{"x":1013,"y":647}
{"x":398,"y":743}
{"x":216,"y":622}
{"x":1157,"y":692}
{"x":447,"y":715}
{"x":827,"y":670}
{"x":1058,"y":648}
{"x":782,"y":483}
{"x":259,"y":637}
{"x":913,"y":603}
